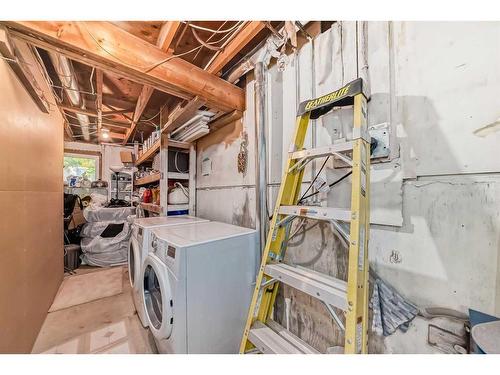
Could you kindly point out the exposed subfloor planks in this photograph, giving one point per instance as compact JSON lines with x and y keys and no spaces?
{"x":107,"y":325}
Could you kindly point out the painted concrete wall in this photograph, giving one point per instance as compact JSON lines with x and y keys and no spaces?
{"x":222,"y":193}
{"x":435,"y":203}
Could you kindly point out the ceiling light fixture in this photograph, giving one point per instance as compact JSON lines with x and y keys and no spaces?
{"x":105,"y":133}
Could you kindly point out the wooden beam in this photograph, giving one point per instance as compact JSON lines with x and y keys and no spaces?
{"x":68,"y":130}
{"x":182,"y":113}
{"x":115,"y":135}
{"x":121,"y":113}
{"x":106,"y":46}
{"x":110,"y":101}
{"x":234,"y":46}
{"x":225,"y":120}
{"x":116,"y":124}
{"x":142,"y":101}
{"x":167,"y":34}
{"x":8,"y":51}
{"x":118,"y":111}
{"x":99,"y":82}
{"x":87,"y":112}
{"x":165,"y":38}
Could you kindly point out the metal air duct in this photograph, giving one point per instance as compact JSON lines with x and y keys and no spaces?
{"x":66,"y":74}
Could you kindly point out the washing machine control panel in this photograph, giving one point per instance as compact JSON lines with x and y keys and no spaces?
{"x":163,"y":250}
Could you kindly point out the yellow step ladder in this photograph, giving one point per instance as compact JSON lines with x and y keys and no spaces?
{"x":261,"y":333}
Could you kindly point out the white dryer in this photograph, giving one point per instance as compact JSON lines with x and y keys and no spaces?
{"x":198,"y":286}
{"x":139,"y":245}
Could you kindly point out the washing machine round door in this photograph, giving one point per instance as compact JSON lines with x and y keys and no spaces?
{"x":158,"y":297}
{"x":134,"y":261}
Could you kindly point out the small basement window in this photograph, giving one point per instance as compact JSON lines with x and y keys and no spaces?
{"x":78,"y":165}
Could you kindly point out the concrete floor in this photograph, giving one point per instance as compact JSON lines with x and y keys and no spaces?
{"x":107,"y":325}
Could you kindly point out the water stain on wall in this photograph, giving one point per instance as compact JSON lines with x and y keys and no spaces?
{"x":243,"y":217}
{"x":226,"y":135}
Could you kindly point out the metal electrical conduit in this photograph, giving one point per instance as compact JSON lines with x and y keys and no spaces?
{"x":258,"y":62}
{"x":261,"y":152}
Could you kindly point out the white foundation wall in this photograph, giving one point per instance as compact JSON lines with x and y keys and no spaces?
{"x":223,"y":193}
{"x":435,"y":204}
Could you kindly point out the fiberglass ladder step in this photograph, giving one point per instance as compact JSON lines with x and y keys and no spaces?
{"x":323,"y":151}
{"x":275,"y":339}
{"x":323,"y":287}
{"x":317,"y":212}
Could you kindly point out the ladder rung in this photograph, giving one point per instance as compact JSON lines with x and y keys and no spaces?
{"x":291,"y":338}
{"x":325,"y":288}
{"x":317,"y":212}
{"x":270,"y":342}
{"x":323,"y":151}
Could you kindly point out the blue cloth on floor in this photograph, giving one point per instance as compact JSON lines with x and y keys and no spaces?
{"x":390,"y":310}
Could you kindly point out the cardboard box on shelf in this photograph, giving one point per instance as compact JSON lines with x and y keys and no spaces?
{"x":126,"y":157}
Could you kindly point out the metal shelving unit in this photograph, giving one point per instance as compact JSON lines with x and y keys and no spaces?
{"x":123,"y":192}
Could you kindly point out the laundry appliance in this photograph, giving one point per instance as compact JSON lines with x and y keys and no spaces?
{"x":139,"y":245}
{"x":197,"y":286}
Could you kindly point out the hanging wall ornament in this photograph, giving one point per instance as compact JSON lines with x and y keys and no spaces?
{"x":243,"y":155}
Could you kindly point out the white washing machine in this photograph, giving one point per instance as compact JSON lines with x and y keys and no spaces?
{"x":198,"y":286}
{"x":139,"y":244}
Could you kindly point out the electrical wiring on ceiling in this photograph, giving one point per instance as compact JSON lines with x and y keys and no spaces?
{"x":71,"y":116}
{"x":184,"y":53}
{"x":151,"y":118}
{"x":69,"y":88}
{"x":151,"y":67}
{"x":150,"y":123}
{"x":146,"y":69}
{"x":208,"y":45}
{"x":192,"y":25}
{"x":40,"y":91}
{"x":226,"y":42}
{"x":209,"y":39}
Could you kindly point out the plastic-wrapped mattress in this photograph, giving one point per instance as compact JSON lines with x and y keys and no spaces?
{"x":105,"y":243}
{"x":97,"y":214}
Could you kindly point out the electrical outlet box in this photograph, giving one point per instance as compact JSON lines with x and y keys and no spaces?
{"x":381,"y":133}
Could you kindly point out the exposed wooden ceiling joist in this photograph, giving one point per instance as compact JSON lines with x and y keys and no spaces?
{"x":118,"y":111}
{"x":164,"y":41}
{"x":116,"y":135}
{"x":224,"y":120}
{"x":240,"y":40}
{"x":87,"y":112}
{"x":116,"y":124}
{"x":167,"y":34}
{"x":110,"y":100}
{"x":142,"y":101}
{"x":182,"y":113}
{"x":17,"y":65}
{"x":106,"y":46}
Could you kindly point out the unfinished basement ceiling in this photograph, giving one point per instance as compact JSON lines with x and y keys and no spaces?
{"x":78,"y":86}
